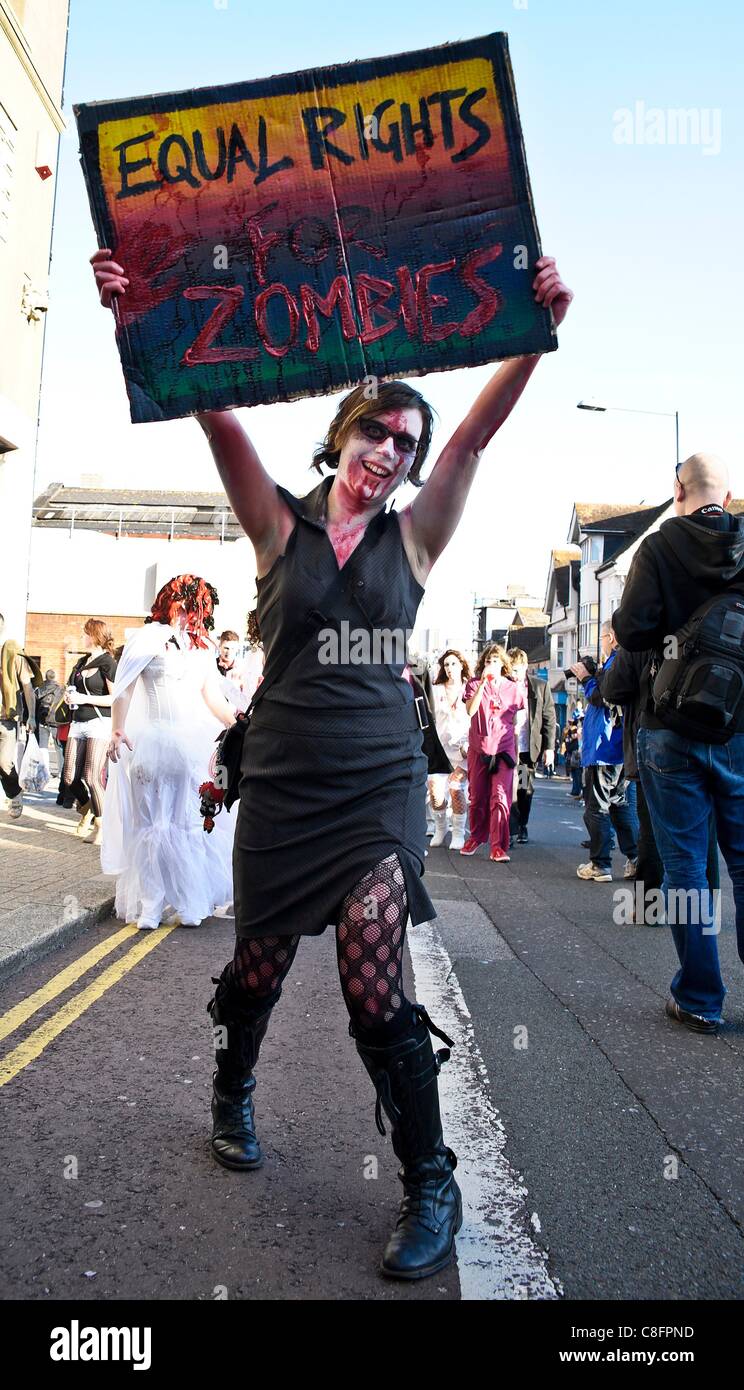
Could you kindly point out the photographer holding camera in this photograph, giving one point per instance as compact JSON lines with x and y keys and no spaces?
{"x":605,"y":798}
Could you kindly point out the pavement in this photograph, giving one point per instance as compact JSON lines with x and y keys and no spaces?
{"x":599,"y":1144}
{"x":51,"y":885}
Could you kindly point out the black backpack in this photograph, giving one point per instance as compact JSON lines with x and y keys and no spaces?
{"x":699,"y":693}
{"x":47,"y":697}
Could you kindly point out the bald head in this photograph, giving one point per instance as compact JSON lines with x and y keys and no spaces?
{"x":702,"y":479}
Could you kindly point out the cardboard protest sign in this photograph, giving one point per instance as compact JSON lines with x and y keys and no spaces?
{"x":292,"y":236}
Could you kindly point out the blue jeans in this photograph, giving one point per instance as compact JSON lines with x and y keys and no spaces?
{"x":607,"y":808}
{"x":683,"y":782}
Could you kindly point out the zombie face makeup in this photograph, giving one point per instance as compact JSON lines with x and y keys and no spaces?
{"x":453,"y":669}
{"x":377,"y":457}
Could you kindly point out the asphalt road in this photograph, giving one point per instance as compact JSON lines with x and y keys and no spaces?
{"x":599,"y":1144}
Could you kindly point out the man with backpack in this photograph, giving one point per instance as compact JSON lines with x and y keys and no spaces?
{"x":49,"y":696}
{"x":684,"y":599}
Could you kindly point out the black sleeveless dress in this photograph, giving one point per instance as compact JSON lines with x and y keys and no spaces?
{"x":333,"y":776}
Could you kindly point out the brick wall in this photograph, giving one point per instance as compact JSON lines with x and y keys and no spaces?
{"x":50,"y":635}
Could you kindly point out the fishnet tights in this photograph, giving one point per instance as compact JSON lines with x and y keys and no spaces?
{"x":369,"y":948}
{"x":83,"y":771}
{"x":369,"y":945}
{"x":261,"y":963}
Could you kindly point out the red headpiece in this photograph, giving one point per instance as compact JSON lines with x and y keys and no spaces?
{"x":199,"y":600}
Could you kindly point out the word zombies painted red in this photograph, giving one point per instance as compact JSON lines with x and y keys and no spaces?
{"x":380,"y":306}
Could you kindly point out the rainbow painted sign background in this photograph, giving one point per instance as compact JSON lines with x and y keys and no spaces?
{"x":293,"y":236}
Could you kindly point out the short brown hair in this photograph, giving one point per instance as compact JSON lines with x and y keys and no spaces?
{"x":493,"y":649}
{"x":391,"y":395}
{"x":100,"y":634}
{"x":229,"y":636}
{"x":515,"y":654}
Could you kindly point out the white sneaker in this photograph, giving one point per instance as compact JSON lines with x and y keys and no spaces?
{"x":593,"y":873}
{"x":15,"y":806}
{"x":630,"y":868}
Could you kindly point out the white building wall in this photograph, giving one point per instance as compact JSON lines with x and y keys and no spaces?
{"x":613,"y":582}
{"x":87,"y":572}
{"x":610,"y":594}
{"x":32,"y":51}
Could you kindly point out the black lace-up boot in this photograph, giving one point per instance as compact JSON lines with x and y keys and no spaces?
{"x":242,"y":1030}
{"x":405,"y":1074}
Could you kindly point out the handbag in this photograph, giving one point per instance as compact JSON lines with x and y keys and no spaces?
{"x":224,"y":789}
{"x":60,"y":713}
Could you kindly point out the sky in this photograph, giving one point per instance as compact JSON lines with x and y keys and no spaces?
{"x":647,"y":235}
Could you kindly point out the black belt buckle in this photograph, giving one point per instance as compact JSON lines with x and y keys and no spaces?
{"x":421,"y":713}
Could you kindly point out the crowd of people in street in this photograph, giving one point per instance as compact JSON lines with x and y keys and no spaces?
{"x":334,"y":766}
{"x":133,"y":730}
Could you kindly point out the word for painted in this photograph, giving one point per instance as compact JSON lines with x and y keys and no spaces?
{"x":332,"y":136}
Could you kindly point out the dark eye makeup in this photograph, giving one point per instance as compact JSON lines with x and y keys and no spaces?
{"x":376,"y":431}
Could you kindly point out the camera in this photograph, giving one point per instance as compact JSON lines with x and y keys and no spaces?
{"x":590,"y":664}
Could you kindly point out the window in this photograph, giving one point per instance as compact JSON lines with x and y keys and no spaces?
{"x":591,"y":550}
{"x":589,"y":629}
{"x":7,"y":161}
{"x":559,"y":651}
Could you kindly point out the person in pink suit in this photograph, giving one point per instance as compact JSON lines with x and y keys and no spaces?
{"x":492,"y":699}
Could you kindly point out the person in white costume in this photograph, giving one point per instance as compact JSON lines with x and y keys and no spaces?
{"x":453,"y":727}
{"x":166,"y":715}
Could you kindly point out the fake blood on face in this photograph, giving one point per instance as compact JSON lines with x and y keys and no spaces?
{"x":358,"y":491}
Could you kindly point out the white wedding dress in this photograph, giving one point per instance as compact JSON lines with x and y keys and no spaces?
{"x":153,"y":834}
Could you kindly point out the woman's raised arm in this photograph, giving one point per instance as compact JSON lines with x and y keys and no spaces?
{"x":261,"y":511}
{"x":252,"y":493}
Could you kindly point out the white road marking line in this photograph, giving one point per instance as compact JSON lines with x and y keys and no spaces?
{"x":496,"y":1255}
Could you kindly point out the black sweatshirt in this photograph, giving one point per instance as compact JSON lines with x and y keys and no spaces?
{"x":687,"y":561}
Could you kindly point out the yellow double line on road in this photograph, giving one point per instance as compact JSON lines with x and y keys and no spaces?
{"x":36,"y":1042}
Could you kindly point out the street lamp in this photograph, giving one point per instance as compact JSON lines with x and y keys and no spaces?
{"x":626,"y":410}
